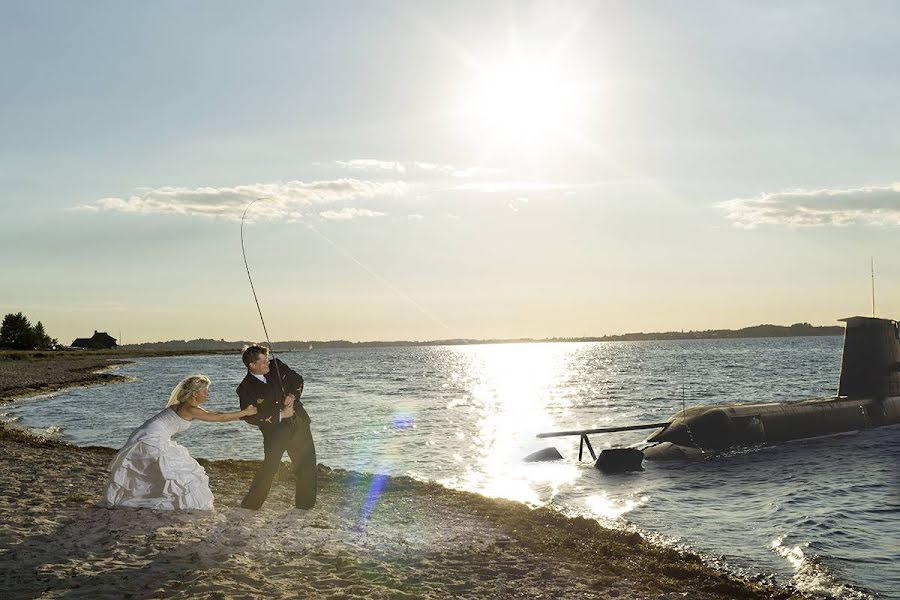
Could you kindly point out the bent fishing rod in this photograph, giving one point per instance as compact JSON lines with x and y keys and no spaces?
{"x":258,"y":309}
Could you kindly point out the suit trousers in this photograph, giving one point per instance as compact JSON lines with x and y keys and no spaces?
{"x":295,"y":438}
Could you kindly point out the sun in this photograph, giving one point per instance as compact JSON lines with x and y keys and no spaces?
{"x":520,"y":101}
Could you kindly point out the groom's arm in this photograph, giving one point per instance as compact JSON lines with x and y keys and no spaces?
{"x":267,"y":410}
{"x":293,"y":384}
{"x":291,"y":380}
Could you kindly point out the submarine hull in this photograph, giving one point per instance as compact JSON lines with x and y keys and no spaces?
{"x":718,"y":428}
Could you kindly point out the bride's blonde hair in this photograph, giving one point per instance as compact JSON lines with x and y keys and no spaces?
{"x":187,"y":387}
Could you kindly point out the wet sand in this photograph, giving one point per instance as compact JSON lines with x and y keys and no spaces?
{"x":368,"y":537}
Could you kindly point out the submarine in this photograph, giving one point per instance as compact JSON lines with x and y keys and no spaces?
{"x":868,"y":396}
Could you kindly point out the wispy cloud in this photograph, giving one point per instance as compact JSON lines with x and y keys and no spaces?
{"x":346,"y":214}
{"x":419,"y":167}
{"x":494,"y":186}
{"x":516,"y":204}
{"x":372,"y":164}
{"x":284,"y":200}
{"x":469,"y":172}
{"x":491,"y":187}
{"x":869,"y":205}
{"x":293,"y":201}
{"x":433,"y":178}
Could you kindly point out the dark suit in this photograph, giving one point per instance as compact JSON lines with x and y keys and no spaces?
{"x":290,"y":435}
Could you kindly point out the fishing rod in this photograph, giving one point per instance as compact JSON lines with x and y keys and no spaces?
{"x":256,"y":299}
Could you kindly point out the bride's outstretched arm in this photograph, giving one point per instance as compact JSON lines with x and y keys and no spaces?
{"x":201,"y":414}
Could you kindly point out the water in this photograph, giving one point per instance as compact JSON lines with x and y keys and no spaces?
{"x":821,"y":514}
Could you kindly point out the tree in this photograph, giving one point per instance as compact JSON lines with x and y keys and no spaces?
{"x":42,"y":341}
{"x":16,"y":332}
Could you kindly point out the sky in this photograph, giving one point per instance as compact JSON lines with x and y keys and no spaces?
{"x":434,"y":170}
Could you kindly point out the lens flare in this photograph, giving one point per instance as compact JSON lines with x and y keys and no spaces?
{"x":375,"y":489}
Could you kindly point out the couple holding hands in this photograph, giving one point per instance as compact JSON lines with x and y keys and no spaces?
{"x":153,"y":471}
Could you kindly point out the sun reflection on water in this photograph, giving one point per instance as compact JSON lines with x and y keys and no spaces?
{"x":603,"y":506}
{"x":512,"y":392}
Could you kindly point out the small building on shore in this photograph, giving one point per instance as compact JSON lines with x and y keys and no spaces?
{"x":99,"y":341}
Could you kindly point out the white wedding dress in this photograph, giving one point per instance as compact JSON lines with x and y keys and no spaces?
{"x":152,"y":471}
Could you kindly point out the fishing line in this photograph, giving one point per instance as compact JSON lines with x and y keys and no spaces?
{"x":378,"y":277}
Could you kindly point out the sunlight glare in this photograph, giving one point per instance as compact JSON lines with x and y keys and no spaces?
{"x":509,"y":388}
{"x":520,"y":101}
{"x":603,"y":506}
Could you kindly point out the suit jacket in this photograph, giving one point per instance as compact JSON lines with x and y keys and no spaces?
{"x":269,"y":397}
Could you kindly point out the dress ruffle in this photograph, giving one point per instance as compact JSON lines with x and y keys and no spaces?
{"x":152,"y":471}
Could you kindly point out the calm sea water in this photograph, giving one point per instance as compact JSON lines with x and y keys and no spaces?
{"x":823,"y":514}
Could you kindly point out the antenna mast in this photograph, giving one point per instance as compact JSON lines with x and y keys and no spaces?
{"x":873,"y":287}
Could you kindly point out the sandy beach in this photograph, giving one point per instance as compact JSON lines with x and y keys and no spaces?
{"x":368,"y":537}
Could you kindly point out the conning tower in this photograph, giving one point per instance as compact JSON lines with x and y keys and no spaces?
{"x":870,"y":366}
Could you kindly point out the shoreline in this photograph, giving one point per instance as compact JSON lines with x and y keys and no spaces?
{"x":368,"y":537}
{"x":28,"y":375}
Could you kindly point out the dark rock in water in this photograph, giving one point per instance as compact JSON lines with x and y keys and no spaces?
{"x":543,"y":454}
{"x":619,"y":460}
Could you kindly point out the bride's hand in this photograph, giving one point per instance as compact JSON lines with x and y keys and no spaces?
{"x":250,"y":410}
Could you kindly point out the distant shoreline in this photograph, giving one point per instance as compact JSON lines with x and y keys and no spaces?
{"x":757,"y":331}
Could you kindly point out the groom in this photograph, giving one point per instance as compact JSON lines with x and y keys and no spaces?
{"x":284,"y":425}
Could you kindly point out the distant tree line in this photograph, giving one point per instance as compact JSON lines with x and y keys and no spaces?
{"x":17,"y":333}
{"x":757,"y":331}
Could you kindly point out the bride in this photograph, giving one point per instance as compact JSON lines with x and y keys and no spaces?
{"x":151,"y":470}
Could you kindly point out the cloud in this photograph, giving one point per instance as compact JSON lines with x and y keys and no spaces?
{"x":870,"y":205}
{"x":516,"y":204}
{"x":469,"y":172}
{"x":536,"y":187}
{"x":346,"y":214}
{"x":283,"y":200}
{"x":372,"y":164}
{"x":435,"y":178}
{"x":492,"y":187}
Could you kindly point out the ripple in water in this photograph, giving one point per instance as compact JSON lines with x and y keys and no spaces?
{"x":810,"y":577}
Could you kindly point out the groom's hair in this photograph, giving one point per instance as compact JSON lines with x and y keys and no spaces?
{"x":252,"y":354}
